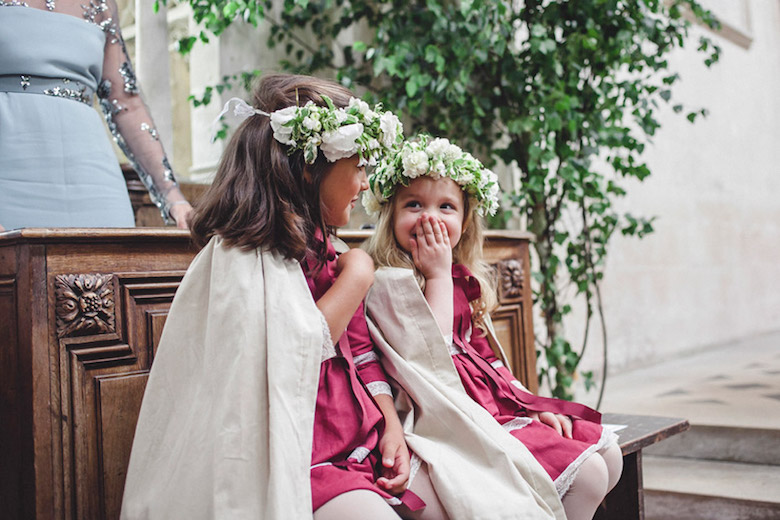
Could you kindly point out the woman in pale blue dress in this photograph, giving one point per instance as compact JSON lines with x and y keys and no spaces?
{"x":57,"y":165}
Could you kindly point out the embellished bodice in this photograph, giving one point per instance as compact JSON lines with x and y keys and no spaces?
{"x":47,"y":66}
{"x":73,"y":49}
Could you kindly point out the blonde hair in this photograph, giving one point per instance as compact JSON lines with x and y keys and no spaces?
{"x":386,"y":252}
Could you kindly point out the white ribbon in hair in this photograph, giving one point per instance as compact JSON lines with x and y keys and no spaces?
{"x":241,"y":111}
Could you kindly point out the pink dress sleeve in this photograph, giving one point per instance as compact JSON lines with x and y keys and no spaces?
{"x":365,"y":355}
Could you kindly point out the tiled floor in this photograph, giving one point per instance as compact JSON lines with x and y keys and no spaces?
{"x":737,"y":385}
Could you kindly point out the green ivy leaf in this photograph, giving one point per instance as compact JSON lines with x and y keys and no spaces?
{"x":411,"y":87}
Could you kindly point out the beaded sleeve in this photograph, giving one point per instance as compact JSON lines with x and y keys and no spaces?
{"x":128,"y":117}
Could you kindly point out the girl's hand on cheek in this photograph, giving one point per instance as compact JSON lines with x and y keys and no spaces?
{"x":431,"y":250}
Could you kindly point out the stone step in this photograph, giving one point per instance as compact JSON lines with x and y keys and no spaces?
{"x":690,"y":489}
{"x":729,"y":444}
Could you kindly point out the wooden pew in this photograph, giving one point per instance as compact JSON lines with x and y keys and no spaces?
{"x":81,"y":313}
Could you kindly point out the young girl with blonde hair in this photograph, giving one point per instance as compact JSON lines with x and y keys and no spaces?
{"x":430,"y":197}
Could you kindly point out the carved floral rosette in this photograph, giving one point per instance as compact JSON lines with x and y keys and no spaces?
{"x":511,"y":279}
{"x":85,"y":304}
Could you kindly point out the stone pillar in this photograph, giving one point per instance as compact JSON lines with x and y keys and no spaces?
{"x":205,"y":70}
{"x":152,"y":68}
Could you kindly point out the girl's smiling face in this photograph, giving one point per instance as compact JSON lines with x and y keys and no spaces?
{"x":340,"y":189}
{"x":440,"y":198}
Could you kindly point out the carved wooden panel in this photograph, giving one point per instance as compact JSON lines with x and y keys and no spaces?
{"x":511,"y":280}
{"x":103,"y":377}
{"x":85,"y":304}
{"x":81,"y":313}
{"x":119,"y":402}
{"x":509,"y":325}
{"x":506,"y":322}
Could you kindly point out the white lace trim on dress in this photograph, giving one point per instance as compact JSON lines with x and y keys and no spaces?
{"x":567,"y":476}
{"x":497,"y":364}
{"x":414,"y":465}
{"x":359,"y":454}
{"x":517,"y":423}
{"x":328,"y":349}
{"x":368,"y":357}
{"x":379,"y":388}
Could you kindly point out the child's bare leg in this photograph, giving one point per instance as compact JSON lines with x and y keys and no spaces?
{"x":614,"y":459}
{"x":356,"y":505}
{"x":422,"y":487}
{"x":588,"y":489}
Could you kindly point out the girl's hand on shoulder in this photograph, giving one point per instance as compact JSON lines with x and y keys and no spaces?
{"x":357,"y":263}
{"x":431,"y":249}
{"x":395,"y":461}
{"x":558,"y":422}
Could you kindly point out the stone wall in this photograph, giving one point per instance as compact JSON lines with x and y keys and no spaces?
{"x":710,"y":274}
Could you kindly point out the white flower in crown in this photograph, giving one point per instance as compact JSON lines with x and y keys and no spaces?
{"x":342,"y":142}
{"x":361,"y":105}
{"x":438,"y":147}
{"x":466,"y":178}
{"x":311,"y":123}
{"x":279,"y":124}
{"x":372,"y":202}
{"x":415,"y":162}
{"x":435,"y":158}
{"x":391,"y":128}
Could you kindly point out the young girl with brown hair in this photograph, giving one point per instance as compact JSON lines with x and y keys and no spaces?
{"x":430,"y":197}
{"x":265,"y":399}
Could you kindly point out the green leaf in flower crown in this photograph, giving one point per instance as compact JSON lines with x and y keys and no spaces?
{"x":310,"y":152}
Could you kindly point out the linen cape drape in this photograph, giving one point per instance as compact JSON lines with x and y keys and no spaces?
{"x":225,"y":428}
{"x":478,"y":470}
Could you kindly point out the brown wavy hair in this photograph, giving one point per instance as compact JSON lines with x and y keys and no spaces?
{"x":260,"y":196}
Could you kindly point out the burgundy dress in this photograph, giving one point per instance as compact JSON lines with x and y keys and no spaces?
{"x":347,"y":422}
{"x":493,"y":386}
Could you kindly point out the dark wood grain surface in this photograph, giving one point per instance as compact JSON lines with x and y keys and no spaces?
{"x":644,"y":430}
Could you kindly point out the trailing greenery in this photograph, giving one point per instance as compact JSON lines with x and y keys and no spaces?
{"x":566,"y":92}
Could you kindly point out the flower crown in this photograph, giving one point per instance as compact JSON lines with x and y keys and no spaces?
{"x":435,"y":158}
{"x":338,"y":132}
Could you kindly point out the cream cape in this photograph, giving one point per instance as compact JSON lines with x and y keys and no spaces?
{"x":225,"y":428}
{"x":478,"y":469}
